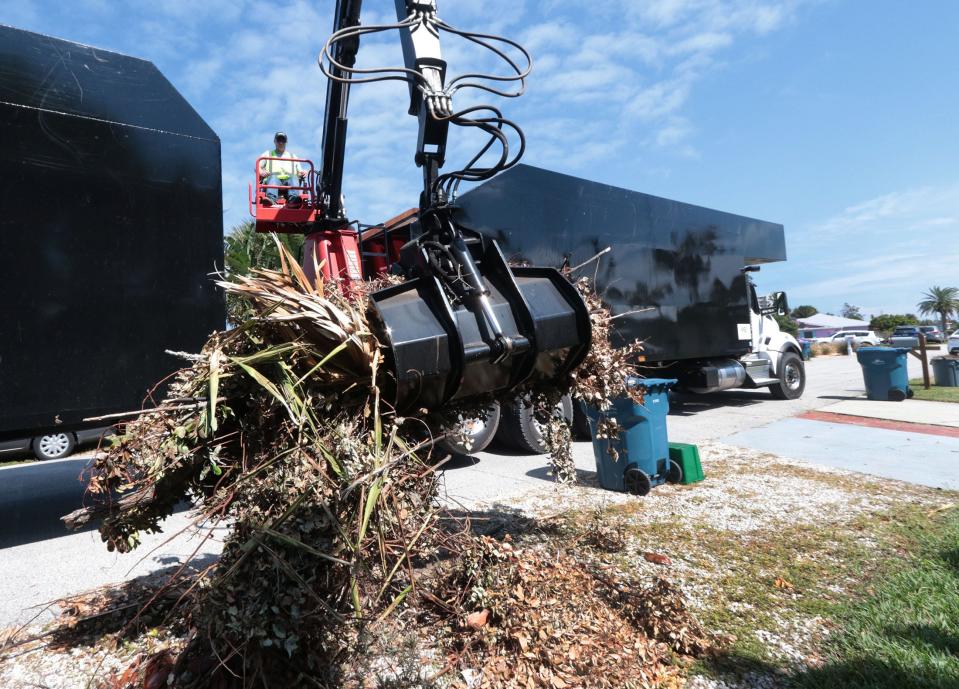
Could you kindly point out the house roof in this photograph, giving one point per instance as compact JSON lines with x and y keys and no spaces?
{"x":824,"y":320}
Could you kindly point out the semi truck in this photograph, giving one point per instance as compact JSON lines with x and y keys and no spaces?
{"x":677,"y":276}
{"x":111,"y":225}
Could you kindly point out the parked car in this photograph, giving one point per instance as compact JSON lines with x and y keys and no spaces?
{"x":861,"y":337}
{"x":953,"y":345}
{"x":932,"y":333}
{"x":904,"y":336}
{"x":53,"y":445}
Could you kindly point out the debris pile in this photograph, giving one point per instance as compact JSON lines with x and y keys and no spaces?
{"x":533,"y":617}
{"x":278,"y":429}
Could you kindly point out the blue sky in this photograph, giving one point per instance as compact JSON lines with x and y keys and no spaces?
{"x":839,"y":119}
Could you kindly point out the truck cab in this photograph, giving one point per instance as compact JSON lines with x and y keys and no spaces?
{"x":775,"y":360}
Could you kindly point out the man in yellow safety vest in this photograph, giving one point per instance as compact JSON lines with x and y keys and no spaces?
{"x":280,"y":172}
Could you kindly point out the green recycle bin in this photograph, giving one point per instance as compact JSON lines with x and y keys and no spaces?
{"x":687,"y":456}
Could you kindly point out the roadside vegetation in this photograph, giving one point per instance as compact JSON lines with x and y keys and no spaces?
{"x":934,"y":394}
{"x":902,"y":630}
{"x":941,"y":302}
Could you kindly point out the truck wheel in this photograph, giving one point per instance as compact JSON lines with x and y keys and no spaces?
{"x":521,"y":431}
{"x":479,"y":431}
{"x":54,"y":445}
{"x":792,"y":378}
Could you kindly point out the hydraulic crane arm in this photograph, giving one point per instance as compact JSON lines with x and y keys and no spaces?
{"x":429,"y":101}
{"x":337,"y":104}
{"x":426,"y":72}
{"x":463,"y":322}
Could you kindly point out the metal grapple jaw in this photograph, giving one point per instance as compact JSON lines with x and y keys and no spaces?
{"x":467,"y":324}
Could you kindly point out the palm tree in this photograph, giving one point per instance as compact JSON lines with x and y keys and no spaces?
{"x":942,"y":301}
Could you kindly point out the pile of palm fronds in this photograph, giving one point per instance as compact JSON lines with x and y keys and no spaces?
{"x":277,"y":429}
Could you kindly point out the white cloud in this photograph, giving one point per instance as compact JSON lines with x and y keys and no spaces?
{"x":884,"y":251}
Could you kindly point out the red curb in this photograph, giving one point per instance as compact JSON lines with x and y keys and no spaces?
{"x":922,"y":428}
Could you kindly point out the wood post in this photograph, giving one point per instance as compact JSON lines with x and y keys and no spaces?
{"x":923,"y":357}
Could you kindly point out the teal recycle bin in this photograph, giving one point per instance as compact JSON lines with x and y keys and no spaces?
{"x":638,"y":458}
{"x":946,"y":371}
{"x":885,"y":372}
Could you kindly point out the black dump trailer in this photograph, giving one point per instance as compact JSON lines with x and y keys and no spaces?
{"x":110,"y":224}
{"x":675,"y":272}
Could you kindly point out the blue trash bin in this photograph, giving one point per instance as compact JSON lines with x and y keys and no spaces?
{"x":945,"y":370}
{"x":885,"y":373}
{"x":806,"y":349}
{"x":639,"y":458}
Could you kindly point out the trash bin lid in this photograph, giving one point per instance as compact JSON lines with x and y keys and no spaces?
{"x":881,"y":354}
{"x":651,"y":384}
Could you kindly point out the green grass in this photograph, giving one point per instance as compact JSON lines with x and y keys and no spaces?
{"x":935,"y":393}
{"x":903,"y":633}
{"x":886,"y":582}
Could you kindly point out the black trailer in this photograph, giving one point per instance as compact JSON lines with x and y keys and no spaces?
{"x":678,"y":275}
{"x":110,"y":224}
{"x":676,"y":269}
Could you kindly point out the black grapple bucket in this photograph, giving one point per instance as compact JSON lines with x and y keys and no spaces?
{"x":440,"y":351}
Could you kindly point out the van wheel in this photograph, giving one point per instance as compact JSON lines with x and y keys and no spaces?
{"x":521,"y":430}
{"x":54,"y":445}
{"x":480,"y":433}
{"x":792,"y":378}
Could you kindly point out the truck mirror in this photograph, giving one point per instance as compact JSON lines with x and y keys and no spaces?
{"x":774,"y":305}
{"x":782,"y":304}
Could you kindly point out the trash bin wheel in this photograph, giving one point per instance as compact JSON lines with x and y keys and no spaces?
{"x":675,"y":472}
{"x":792,"y":377}
{"x":637,"y":481}
{"x":909,"y":393}
{"x":897,"y":394}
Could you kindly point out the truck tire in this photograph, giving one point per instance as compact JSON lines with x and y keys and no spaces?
{"x":792,"y":378}
{"x":580,"y":422}
{"x":480,"y":431}
{"x":520,"y":431}
{"x":53,"y":445}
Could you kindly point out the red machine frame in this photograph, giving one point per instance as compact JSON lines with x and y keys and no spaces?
{"x":278,"y":216}
{"x":349,"y":253}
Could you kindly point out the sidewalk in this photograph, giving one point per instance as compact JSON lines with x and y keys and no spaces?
{"x":908,"y":411}
{"x":914,"y":440}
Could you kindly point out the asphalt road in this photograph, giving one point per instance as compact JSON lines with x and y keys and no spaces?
{"x":40,"y":562}
{"x":34,"y":495}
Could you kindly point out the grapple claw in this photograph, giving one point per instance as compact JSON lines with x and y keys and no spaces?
{"x":511,"y":325}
